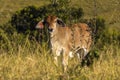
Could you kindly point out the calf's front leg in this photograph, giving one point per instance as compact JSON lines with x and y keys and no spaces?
{"x":56,"y":54}
{"x":65,"y":60}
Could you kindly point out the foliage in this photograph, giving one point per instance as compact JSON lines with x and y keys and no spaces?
{"x":90,"y":58}
{"x":98,"y":27}
{"x":26,"y":19}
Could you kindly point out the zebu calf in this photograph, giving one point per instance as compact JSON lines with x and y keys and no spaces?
{"x":67,"y":40}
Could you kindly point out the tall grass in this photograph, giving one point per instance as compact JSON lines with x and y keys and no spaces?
{"x":27,"y":60}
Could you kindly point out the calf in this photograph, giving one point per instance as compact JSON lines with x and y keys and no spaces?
{"x":67,"y":40}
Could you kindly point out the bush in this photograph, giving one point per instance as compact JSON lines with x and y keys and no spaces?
{"x":90,"y":58}
{"x":25,"y":20}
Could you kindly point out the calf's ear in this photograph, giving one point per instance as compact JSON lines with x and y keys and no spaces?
{"x":40,"y":25}
{"x":60,"y":22}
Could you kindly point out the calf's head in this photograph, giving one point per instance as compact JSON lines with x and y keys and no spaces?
{"x":51,"y":22}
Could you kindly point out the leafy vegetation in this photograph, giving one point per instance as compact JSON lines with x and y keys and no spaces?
{"x":23,"y":58}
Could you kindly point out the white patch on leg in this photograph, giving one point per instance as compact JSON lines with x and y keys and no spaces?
{"x":78,"y":55}
{"x":58,"y":52}
{"x":71,"y":54}
{"x":85,"y":52}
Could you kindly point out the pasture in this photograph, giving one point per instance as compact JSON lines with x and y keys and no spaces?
{"x":25,"y":59}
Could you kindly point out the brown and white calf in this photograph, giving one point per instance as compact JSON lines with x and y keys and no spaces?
{"x":67,"y":40}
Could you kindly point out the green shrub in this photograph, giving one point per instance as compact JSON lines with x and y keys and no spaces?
{"x":90,"y":58}
{"x":97,"y":25}
{"x":25,"y":20}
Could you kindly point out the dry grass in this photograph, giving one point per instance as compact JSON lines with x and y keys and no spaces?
{"x":36,"y":63}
